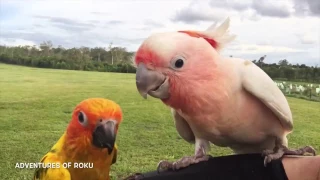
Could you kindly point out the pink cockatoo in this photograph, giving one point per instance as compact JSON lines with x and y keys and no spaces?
{"x":229,"y":102}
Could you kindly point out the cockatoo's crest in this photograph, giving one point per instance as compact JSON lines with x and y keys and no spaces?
{"x":217,"y":37}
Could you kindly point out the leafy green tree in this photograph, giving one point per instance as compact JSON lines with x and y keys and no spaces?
{"x":283,"y":62}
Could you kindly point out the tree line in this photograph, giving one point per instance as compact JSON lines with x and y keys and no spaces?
{"x":111,"y":59}
{"x":118,"y":59}
{"x":283,"y":70}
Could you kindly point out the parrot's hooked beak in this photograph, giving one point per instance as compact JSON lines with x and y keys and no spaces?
{"x":152,"y":82}
{"x":104,"y":134}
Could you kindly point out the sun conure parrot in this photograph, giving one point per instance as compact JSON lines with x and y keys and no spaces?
{"x":89,"y":138}
{"x":227,"y":101}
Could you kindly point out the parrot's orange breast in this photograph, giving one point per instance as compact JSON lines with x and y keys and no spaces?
{"x":94,"y":164}
{"x":93,"y":171}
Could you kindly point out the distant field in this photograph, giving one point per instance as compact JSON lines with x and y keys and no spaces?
{"x":303,"y":90}
{"x":36,"y":105}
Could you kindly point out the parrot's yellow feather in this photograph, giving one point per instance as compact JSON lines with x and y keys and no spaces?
{"x":53,"y":157}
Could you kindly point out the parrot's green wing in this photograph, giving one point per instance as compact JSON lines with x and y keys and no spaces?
{"x":183,"y":127}
{"x":259,"y":84}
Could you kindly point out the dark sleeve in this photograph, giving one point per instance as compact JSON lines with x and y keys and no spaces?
{"x":233,"y":167}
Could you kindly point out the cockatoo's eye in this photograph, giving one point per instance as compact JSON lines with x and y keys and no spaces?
{"x":82,"y":118}
{"x":179,"y":63}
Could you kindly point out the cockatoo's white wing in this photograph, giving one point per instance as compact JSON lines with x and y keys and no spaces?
{"x":259,"y":84}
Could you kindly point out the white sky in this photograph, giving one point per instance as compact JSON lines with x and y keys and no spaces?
{"x":278,"y":28}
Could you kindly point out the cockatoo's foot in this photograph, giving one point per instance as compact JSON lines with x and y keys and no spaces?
{"x":280,"y":151}
{"x":183,"y":162}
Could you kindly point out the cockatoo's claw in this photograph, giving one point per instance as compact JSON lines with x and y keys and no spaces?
{"x":136,"y":176}
{"x":181,"y":163}
{"x":281,"y":151}
{"x":267,"y":159}
{"x":301,"y":151}
{"x":164,"y":165}
{"x":267,"y":152}
{"x":273,"y":156}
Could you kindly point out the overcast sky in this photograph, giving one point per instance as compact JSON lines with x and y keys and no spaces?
{"x":276,"y":28}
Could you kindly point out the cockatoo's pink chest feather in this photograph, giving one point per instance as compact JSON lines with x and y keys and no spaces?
{"x":221,"y":110}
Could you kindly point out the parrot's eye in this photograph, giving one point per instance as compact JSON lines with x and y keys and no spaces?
{"x":82,"y":118}
{"x":178,"y":63}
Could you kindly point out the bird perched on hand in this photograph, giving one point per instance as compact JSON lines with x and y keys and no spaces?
{"x":229,"y":102}
{"x":89,"y":138}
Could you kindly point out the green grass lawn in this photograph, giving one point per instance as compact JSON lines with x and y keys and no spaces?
{"x":36,"y":106}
